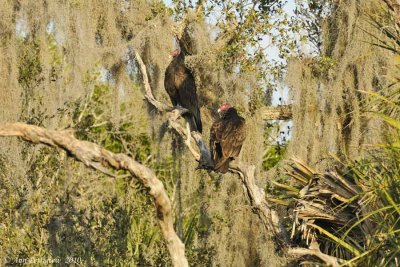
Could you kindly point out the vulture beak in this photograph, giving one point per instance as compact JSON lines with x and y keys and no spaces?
{"x":219,"y":110}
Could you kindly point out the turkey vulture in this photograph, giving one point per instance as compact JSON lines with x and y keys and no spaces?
{"x":227,"y":135}
{"x":181,"y":88}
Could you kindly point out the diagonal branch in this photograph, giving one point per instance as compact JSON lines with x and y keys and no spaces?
{"x":93,"y":155}
{"x":256,"y":195}
{"x":149,"y":93}
{"x":268,"y":216}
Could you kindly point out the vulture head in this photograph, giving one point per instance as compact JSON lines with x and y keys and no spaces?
{"x":222,"y":109}
{"x":175,"y":53}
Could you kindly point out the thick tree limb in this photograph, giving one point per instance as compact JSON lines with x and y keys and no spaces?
{"x":93,"y":155}
{"x":256,"y":195}
{"x":269,"y":216}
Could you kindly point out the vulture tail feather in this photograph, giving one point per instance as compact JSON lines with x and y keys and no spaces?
{"x":222,"y":166}
{"x":199,"y":126}
{"x":193,"y":123}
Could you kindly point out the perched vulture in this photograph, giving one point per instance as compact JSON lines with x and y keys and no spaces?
{"x":227,"y":135}
{"x":181,"y":88}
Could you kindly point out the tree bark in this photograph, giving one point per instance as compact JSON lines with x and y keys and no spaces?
{"x":93,"y":155}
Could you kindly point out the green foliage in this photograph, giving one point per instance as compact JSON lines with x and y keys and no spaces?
{"x":275,"y":146}
{"x":30,"y":77}
{"x":379,"y":177}
{"x":273,"y":156}
{"x":158,"y":7}
{"x":94,"y":122}
{"x":308,"y":19}
{"x":379,"y":174}
{"x":322,"y":65}
{"x":29,"y":66}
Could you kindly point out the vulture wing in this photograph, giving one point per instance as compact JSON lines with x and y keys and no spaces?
{"x":221,"y":163}
{"x":233,"y":137}
{"x":181,"y":88}
{"x":169,"y":83}
{"x":226,"y":140}
{"x":188,"y":97}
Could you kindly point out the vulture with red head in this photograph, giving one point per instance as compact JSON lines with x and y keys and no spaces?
{"x":181,"y":88}
{"x":227,"y":135}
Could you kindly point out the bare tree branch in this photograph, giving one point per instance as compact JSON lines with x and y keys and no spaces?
{"x":283,"y":112}
{"x":269,"y":216}
{"x":149,"y":93}
{"x":93,"y":155}
{"x":256,"y":195}
{"x":315,"y":251}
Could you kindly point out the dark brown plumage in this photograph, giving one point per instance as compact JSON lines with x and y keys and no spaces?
{"x":227,"y":135}
{"x":181,"y":88}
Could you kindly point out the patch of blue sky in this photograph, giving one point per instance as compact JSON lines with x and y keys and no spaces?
{"x":21,"y":27}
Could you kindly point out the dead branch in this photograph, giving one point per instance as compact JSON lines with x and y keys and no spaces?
{"x":93,"y":155}
{"x":269,"y":216}
{"x":256,"y":195}
{"x":315,"y":251}
{"x":283,"y":112}
{"x":149,"y":93}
